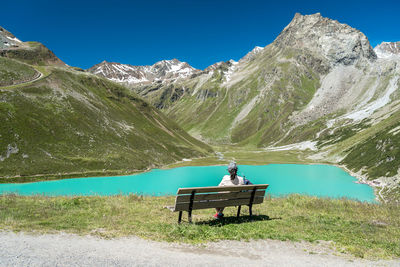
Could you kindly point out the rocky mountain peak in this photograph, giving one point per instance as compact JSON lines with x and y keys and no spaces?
{"x":387,"y":49}
{"x":214,"y":66}
{"x":251,"y":55}
{"x":339,"y":43}
{"x":221,"y":65}
{"x":168,"y":65}
{"x":8,"y":40}
{"x":29,"y":52}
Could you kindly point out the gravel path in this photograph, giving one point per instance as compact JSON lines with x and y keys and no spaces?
{"x":19,"y":249}
{"x":37,"y":77}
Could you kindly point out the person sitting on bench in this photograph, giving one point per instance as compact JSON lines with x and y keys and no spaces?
{"x":229,"y":180}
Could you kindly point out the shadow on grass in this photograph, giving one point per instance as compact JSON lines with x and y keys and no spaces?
{"x":237,"y":220}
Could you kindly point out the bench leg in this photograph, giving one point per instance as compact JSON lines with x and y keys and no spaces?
{"x":190,"y":216}
{"x":251,"y":210}
{"x":180,"y":217}
{"x":238,"y":212}
{"x":191,"y":205}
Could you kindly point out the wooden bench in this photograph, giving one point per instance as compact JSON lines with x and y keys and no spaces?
{"x":195,"y":198}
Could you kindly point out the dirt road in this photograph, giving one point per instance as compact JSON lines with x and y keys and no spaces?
{"x":70,"y":250}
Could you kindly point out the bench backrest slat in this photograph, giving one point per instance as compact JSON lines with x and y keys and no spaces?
{"x":210,"y":189}
{"x":217,"y":203}
{"x":217,"y":196}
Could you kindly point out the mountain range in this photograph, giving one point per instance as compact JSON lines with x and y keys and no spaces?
{"x":318,"y":87}
{"x":160,"y":72}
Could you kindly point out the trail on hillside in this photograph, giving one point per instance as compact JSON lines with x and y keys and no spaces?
{"x":35,"y":78}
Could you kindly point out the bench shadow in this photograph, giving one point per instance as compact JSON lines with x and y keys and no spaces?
{"x":236,"y":220}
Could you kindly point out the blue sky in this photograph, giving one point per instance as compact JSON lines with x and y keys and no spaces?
{"x":84,"y":33}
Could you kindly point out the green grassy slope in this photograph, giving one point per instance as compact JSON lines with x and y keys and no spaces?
{"x":12,"y":72}
{"x":72,"y":122}
{"x":375,"y":150}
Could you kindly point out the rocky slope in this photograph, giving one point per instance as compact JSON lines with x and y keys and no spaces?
{"x":338,"y":43}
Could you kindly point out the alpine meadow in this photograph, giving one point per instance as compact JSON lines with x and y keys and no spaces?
{"x":318,"y":94}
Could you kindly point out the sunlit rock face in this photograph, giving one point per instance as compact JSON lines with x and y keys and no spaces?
{"x":339,"y":43}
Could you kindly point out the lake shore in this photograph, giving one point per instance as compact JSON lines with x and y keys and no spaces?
{"x":379,"y":185}
{"x":221,"y":157}
{"x":320,"y":180}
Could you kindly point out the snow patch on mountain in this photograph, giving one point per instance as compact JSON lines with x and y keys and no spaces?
{"x":129,"y":80}
{"x":257,"y":49}
{"x":229,"y":72}
{"x":15,"y":39}
{"x":388,"y":49}
{"x":311,"y":145}
{"x":8,"y":40}
{"x":252,"y":54}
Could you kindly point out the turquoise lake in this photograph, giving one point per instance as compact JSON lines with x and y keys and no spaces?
{"x":314,"y":180}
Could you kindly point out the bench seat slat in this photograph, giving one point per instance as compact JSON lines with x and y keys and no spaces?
{"x":209,"y":189}
{"x":217,"y":203}
{"x":216,"y":196}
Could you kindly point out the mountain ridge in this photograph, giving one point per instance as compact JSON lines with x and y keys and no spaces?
{"x":161,"y":71}
{"x":73,"y":123}
{"x":33,"y":53}
{"x":320,"y":84}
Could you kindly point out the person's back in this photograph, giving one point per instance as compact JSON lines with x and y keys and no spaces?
{"x":230,"y":180}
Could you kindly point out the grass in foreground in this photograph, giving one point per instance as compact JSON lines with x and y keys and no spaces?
{"x":364,"y":230}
